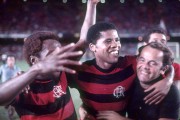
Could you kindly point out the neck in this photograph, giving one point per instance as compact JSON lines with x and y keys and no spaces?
{"x":145,"y":86}
{"x":103,"y":65}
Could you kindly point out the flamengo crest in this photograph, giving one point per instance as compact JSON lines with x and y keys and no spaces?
{"x":119,"y":92}
{"x":57,"y":91}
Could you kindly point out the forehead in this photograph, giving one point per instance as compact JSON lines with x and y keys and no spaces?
{"x":10,"y":58}
{"x":50,"y":44}
{"x":158,"y":36}
{"x":151,"y":54}
{"x":109,"y":34}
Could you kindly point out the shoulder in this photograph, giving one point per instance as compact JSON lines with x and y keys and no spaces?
{"x":173,"y":95}
{"x":89,"y":62}
{"x":131,"y":58}
{"x":176,"y":65}
{"x":169,"y":107}
{"x":128,"y":60}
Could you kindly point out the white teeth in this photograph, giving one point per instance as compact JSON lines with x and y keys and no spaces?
{"x":114,"y":52}
{"x":143,"y":72}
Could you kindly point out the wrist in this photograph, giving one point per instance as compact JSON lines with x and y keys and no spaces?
{"x":90,"y":2}
{"x":36,"y":69}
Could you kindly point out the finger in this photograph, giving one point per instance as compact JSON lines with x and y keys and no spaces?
{"x":160,"y":100}
{"x":68,"y":62}
{"x":150,"y":95}
{"x":67,"y":47}
{"x":151,"y":88}
{"x":70,"y":54}
{"x":62,"y":49}
{"x":150,"y":99}
{"x":154,"y":100}
{"x":28,"y":87}
{"x":65,"y":69}
{"x":27,"y":91}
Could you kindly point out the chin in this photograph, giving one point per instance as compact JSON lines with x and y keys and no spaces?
{"x":56,"y":74}
{"x":142,"y":78}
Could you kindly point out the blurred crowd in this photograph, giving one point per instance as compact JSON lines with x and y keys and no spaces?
{"x":131,"y":17}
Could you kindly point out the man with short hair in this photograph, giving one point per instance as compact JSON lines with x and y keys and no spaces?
{"x":49,"y":97}
{"x":105,"y":82}
{"x":157,"y":34}
{"x":150,"y":69}
{"x":9,"y":70}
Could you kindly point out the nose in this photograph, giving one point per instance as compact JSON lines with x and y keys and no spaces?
{"x":115,"y":43}
{"x":146,"y":66}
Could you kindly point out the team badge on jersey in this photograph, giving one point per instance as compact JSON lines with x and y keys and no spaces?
{"x":119,"y":91}
{"x":58,"y":91}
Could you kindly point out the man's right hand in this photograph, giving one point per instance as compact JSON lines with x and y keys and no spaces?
{"x":58,"y":60}
{"x":95,"y":1}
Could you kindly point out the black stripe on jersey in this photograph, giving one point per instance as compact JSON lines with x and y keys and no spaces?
{"x":42,"y":87}
{"x":107,"y":79}
{"x":103,"y":98}
{"x":24,"y":108}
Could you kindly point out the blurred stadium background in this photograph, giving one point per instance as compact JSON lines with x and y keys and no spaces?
{"x":20,"y":18}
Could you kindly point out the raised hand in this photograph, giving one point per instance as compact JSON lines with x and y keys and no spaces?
{"x":58,"y":60}
{"x":95,"y":1}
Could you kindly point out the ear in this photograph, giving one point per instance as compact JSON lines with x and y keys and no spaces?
{"x":164,"y":69}
{"x":92,"y":47}
{"x":33,"y":59}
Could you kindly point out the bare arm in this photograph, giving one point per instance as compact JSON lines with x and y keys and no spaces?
{"x":105,"y":115}
{"x":90,"y":19}
{"x":11,"y":88}
{"x":110,"y":115}
{"x":55,"y":62}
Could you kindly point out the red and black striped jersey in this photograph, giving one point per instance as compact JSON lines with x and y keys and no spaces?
{"x":177,"y":71}
{"x":106,"y":89}
{"x":47,"y":100}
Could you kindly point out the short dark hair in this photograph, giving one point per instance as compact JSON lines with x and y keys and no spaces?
{"x":168,"y":57}
{"x":11,"y":56}
{"x":94,"y":31}
{"x":33,"y":43}
{"x":152,"y":30}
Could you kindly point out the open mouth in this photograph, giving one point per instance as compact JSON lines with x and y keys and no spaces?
{"x":144,"y":72}
{"x":115,"y":53}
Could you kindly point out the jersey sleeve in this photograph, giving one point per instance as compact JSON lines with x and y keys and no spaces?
{"x":132,"y":60}
{"x":177,"y":71}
